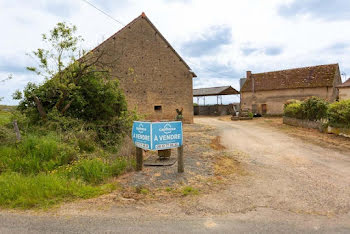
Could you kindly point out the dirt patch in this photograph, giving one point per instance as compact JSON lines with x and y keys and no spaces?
{"x":228,"y":165}
{"x":216,"y":144}
{"x":310,"y":135}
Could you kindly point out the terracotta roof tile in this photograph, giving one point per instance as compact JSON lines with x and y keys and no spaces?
{"x":345,"y":84}
{"x":306,"y":77}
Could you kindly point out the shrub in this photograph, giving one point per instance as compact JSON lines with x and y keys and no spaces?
{"x":339,"y":114}
{"x":290,"y":101}
{"x":7,"y":136}
{"x":314,"y":108}
{"x":41,"y":191}
{"x":293,"y":110}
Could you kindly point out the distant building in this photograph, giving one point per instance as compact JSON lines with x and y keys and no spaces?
{"x":344,"y":90}
{"x":266,"y":93}
{"x":155,"y":79}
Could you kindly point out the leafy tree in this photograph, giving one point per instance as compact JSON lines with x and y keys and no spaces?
{"x":79,"y":88}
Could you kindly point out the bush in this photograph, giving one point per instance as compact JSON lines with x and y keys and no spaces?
{"x":293,"y":110}
{"x":41,"y":191}
{"x":314,"y":108}
{"x":339,"y":114}
{"x":7,"y":136}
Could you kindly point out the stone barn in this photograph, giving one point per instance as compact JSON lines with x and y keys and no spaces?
{"x":266,"y":93}
{"x":344,"y":90}
{"x":155,"y":79}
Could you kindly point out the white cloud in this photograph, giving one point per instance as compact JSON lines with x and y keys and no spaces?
{"x":300,"y":40}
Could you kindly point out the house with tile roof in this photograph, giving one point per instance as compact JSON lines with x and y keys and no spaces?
{"x":266,"y":93}
{"x":344,"y":90}
{"x":155,"y":79}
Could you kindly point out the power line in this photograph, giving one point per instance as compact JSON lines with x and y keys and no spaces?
{"x":108,"y":15}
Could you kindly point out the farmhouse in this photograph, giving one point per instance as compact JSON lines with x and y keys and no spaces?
{"x":344,"y":90}
{"x":155,"y":79}
{"x":266,"y":93}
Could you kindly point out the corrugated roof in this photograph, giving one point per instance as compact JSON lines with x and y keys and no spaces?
{"x":306,"y":77}
{"x":214,"y":91}
{"x":345,"y":84}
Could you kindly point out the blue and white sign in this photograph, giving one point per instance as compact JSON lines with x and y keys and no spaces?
{"x":166,"y":135}
{"x":157,"y":135}
{"x":141,"y":134}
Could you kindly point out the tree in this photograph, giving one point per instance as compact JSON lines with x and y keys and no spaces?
{"x":77,"y":84}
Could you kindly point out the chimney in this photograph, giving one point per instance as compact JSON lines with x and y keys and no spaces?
{"x":249,"y":74}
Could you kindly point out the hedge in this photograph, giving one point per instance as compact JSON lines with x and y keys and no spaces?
{"x":312,"y":109}
{"x":339,"y":114}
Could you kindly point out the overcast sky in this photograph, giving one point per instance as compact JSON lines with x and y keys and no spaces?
{"x":219,"y":39}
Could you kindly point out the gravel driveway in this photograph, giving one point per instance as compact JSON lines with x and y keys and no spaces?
{"x":290,"y":186}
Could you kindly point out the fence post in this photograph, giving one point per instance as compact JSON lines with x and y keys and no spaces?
{"x":180,"y":159}
{"x":15,"y":127}
{"x":139,"y":159}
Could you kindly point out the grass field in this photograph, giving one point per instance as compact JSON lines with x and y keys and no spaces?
{"x":4,"y":117}
{"x":45,"y":169}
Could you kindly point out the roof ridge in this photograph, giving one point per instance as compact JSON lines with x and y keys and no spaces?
{"x":216,"y":87}
{"x":143,"y":15}
{"x":297,"y":68}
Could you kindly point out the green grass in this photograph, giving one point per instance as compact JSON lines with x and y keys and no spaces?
{"x":4,"y":117}
{"x":188,"y":190}
{"x":36,"y":154}
{"x":43,"y":190}
{"x":42,"y":171}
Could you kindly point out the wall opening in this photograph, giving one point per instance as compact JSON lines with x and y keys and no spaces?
{"x":263,"y":109}
{"x":158,"y":108}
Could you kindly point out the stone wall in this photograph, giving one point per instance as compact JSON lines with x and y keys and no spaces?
{"x":155,"y":80}
{"x":303,"y":123}
{"x":214,"y":110}
{"x":344,"y":93}
{"x":275,"y":99}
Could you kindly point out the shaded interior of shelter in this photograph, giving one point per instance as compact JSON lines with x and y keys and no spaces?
{"x":217,"y":109}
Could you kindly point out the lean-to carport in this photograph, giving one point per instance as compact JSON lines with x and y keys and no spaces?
{"x":214,"y":91}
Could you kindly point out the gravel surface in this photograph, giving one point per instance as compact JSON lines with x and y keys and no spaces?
{"x":284,"y":183}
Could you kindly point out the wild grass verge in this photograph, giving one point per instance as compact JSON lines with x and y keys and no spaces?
{"x":43,"y":190}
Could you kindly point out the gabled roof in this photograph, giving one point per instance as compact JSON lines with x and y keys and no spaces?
{"x":306,"y":77}
{"x":214,"y":91}
{"x":143,"y":16}
{"x":345,"y":84}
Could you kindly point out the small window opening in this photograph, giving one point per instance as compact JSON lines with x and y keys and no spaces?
{"x":158,"y":108}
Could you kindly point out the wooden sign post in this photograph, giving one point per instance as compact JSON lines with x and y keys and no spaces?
{"x":139,"y":159}
{"x":158,"y":136}
{"x":180,"y":159}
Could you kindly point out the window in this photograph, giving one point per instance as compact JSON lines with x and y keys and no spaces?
{"x":158,"y":108}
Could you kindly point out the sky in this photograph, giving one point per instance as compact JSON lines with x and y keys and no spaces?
{"x":220,"y":40}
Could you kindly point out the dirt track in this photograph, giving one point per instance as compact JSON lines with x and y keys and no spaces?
{"x":285,"y":184}
{"x":286,"y":173}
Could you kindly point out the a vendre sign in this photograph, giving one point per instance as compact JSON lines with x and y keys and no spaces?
{"x":157,"y":135}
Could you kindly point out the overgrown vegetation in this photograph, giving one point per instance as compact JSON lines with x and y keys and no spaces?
{"x":72,"y":128}
{"x":312,"y":109}
{"x":336,"y":114}
{"x":339,"y":114}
